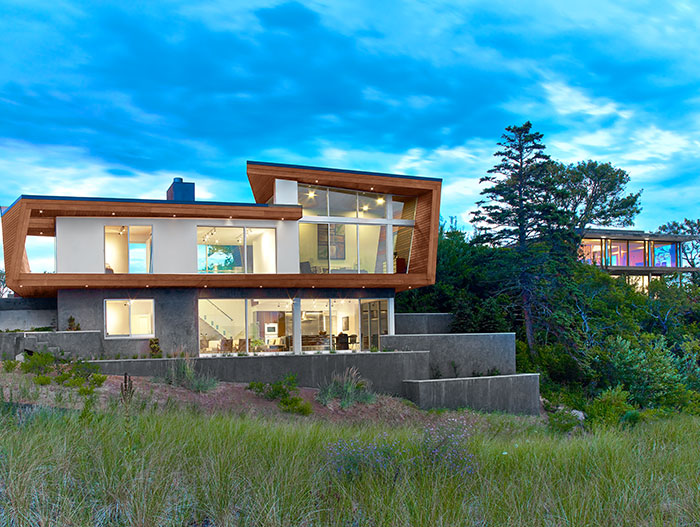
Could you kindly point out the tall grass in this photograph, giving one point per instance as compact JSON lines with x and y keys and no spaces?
{"x":184,"y":468}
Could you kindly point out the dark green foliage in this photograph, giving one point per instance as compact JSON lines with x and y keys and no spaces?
{"x":9,"y":365}
{"x":283,"y":391}
{"x":609,"y":407}
{"x":562,"y":421}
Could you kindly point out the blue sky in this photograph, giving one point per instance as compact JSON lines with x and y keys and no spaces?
{"x":115,"y":99}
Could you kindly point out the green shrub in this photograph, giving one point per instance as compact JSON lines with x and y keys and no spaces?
{"x":283,"y":391}
{"x":72,"y":325}
{"x":182,"y":373}
{"x":349,"y":388}
{"x":75,"y":382}
{"x":630,"y":418}
{"x":10,"y":365}
{"x":86,"y":389}
{"x":42,"y":380}
{"x":295,"y":405}
{"x":97,"y":379}
{"x":562,"y":421}
{"x":38,"y":363}
{"x":647,"y":370}
{"x":609,"y":407}
{"x":82,"y":369}
{"x":692,"y":404}
{"x":62,"y":377}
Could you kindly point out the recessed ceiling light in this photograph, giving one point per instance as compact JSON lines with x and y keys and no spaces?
{"x":380,"y":201}
{"x":41,"y":212}
{"x":365,"y":208}
{"x":41,"y":232}
{"x":312,"y":194}
{"x":113,"y":213}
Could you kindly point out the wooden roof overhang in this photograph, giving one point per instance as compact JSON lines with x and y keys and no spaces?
{"x":262,"y":177}
{"x":48,"y":284}
{"x":36,"y":216}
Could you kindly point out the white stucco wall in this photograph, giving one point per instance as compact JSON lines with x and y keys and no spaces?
{"x":80,"y":243}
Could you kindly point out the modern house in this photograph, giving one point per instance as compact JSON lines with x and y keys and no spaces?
{"x":312,"y":266}
{"x":637,"y":255}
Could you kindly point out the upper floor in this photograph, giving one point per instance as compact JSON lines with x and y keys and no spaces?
{"x":636,"y":252}
{"x":310,"y":227}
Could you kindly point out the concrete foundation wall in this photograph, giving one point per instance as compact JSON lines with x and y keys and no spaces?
{"x":470,"y":353}
{"x":385,"y":371}
{"x":27,"y":313}
{"x":175,"y":317}
{"x":518,"y":394}
{"x":423,"y":323}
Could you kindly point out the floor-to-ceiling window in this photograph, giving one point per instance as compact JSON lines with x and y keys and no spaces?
{"x":267,"y":325}
{"x":591,"y":252}
{"x":344,"y":231}
{"x":617,"y":253}
{"x":664,"y":254}
{"x":636,"y":254}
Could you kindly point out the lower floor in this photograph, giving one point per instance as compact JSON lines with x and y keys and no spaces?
{"x":218,"y":321}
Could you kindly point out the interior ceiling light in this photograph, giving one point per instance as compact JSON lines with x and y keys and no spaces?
{"x":312,"y":194}
{"x":380,"y":201}
{"x":365,"y":208}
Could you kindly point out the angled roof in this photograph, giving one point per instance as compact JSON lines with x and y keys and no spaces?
{"x":262,"y":175}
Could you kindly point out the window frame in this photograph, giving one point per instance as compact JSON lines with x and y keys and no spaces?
{"x":130,"y":336}
{"x":244,"y":256}
{"x":128,"y":242}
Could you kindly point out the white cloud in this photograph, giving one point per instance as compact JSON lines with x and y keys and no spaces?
{"x":566,"y":100}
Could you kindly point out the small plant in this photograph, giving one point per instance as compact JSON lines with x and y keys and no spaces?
{"x":283,"y":391}
{"x":435,"y":372}
{"x":42,"y":380}
{"x":86,"y":390}
{"x":75,"y":382}
{"x":447,"y":446}
{"x":609,"y":407}
{"x":62,"y":377}
{"x":373,"y":349}
{"x":38,"y":363}
{"x":455,"y":369}
{"x":562,"y":421}
{"x":493,"y":372}
{"x":349,"y":388}
{"x":182,"y":373}
{"x":154,"y":348}
{"x":97,"y":379}
{"x":10,"y":365}
{"x":295,"y":405}
{"x":72,"y":324}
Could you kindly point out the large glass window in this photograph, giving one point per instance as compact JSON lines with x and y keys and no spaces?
{"x":315,"y":325}
{"x":403,"y":208}
{"x":270,"y":325}
{"x":236,"y":250}
{"x":372,"y":248}
{"x":313,"y":248}
{"x":636,"y":253}
{"x":374,"y":322}
{"x":591,"y":252}
{"x":345,"y":324}
{"x":342,"y":247}
{"x":314,"y":200}
{"x":222,"y":326}
{"x":664,"y":254}
{"x":402,"y":248}
{"x":371,"y":205}
{"x":342,"y":203}
{"x":128,"y":249}
{"x":129,"y":318}
{"x":617,"y":253}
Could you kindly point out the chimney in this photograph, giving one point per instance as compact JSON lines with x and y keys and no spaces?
{"x":180,"y":191}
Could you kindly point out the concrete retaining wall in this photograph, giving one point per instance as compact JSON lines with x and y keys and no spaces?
{"x":518,"y":394}
{"x":423,"y":323}
{"x":469,"y":353}
{"x":27,"y":313}
{"x":385,"y":371}
{"x":175,"y":317}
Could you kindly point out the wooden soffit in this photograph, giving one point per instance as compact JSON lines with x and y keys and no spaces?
{"x":262,"y":180}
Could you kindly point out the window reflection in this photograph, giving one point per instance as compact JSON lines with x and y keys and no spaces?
{"x":591,"y":252}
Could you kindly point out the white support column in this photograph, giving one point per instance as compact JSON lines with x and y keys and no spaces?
{"x":296,"y":325}
{"x":391,"y":320}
